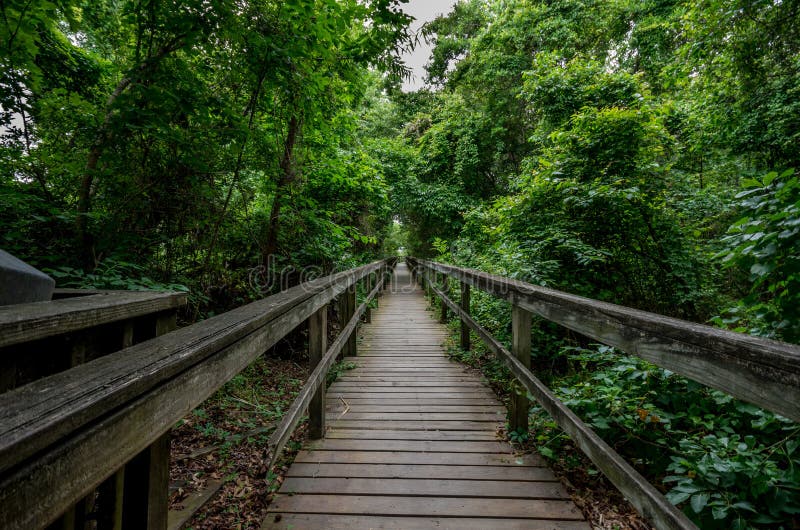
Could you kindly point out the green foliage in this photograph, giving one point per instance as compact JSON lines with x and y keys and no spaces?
{"x":600,"y":148}
{"x":764,"y":244}
{"x":728,"y":463}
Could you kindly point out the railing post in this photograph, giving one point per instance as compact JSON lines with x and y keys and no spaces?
{"x":521,"y":348}
{"x":464,"y":307}
{"x":317,"y":346}
{"x":368,"y":311}
{"x":145,"y":496}
{"x":446,"y":291}
{"x":347,"y":308}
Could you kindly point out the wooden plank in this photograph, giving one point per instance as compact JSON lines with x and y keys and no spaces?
{"x":433,"y":400}
{"x":428,"y":446}
{"x":430,"y":506}
{"x":478,"y":390}
{"x":417,"y":471}
{"x":354,"y":391}
{"x":179,"y":518}
{"x":378,"y":434}
{"x":424,"y":487}
{"x":489,"y":409}
{"x":414,"y":457}
{"x":414,"y":425}
{"x":493,"y":417}
{"x":348,"y":522}
{"x":28,"y":322}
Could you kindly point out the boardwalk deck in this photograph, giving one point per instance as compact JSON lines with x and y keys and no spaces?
{"x":412,"y":442}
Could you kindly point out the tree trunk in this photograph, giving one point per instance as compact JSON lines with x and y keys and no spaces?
{"x":286,"y":178}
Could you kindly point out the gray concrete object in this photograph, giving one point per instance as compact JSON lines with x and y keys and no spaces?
{"x":20,"y":283}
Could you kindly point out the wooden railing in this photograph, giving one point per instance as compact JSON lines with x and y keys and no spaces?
{"x":93,"y":439}
{"x":763,"y":372}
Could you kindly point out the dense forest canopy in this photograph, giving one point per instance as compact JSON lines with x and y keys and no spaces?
{"x":641,"y":152}
{"x":172,"y":143}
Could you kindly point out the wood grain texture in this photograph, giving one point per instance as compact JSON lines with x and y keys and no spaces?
{"x":28,"y":322}
{"x":412,"y":441}
{"x":84,"y":423}
{"x":642,"y":495}
{"x":296,"y":521}
{"x":761,"y":371}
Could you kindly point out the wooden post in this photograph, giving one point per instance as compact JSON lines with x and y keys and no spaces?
{"x":146,"y":491}
{"x":446,"y":291}
{"x":465,"y":307}
{"x":145,"y":496}
{"x":368,"y":311}
{"x":110,"y":502}
{"x":347,"y":307}
{"x":127,"y":334}
{"x":521,"y":348}
{"x":317,"y":346}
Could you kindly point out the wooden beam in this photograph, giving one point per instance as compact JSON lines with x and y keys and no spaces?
{"x":649,"y":502}
{"x":315,"y":380}
{"x":521,"y":348}
{"x":317,"y":346}
{"x":86,"y":422}
{"x":28,"y":322}
{"x":443,"y":308}
{"x":38,"y":414}
{"x":761,"y":371}
{"x":464,"y":306}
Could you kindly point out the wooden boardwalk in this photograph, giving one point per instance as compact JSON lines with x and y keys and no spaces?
{"x":412,"y":442}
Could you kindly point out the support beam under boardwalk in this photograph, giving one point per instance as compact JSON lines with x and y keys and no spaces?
{"x":411,"y":442}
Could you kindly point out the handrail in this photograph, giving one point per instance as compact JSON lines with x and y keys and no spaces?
{"x":665,"y":341}
{"x":315,"y":381}
{"x":762,"y":371}
{"x":37,"y":320}
{"x":62,"y":435}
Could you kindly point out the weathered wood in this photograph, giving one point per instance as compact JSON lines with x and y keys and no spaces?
{"x":521,"y":348}
{"x":443,"y":307}
{"x":28,"y":322}
{"x":386,"y":434}
{"x":179,"y":518}
{"x":317,"y":346}
{"x":425,"y":487}
{"x":427,"y":446}
{"x":347,"y":522}
{"x":152,"y":384}
{"x":761,"y":371}
{"x":368,"y":289}
{"x":646,"y":498}
{"x":406,"y":427}
{"x":33,"y":416}
{"x":315,"y":380}
{"x":431,"y":506}
{"x":428,"y":471}
{"x":465,"y":308}
{"x":348,"y":304}
{"x":146,"y":490}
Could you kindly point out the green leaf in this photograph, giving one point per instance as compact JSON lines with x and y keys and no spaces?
{"x":699,"y":502}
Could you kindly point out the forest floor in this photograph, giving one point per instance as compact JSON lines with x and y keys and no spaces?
{"x":222,"y":444}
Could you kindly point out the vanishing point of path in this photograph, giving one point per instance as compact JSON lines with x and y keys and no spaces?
{"x":412,"y":442}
